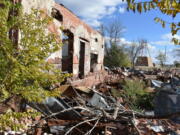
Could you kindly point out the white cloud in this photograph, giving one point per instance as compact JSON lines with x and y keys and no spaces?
{"x":93,"y":23}
{"x":166,"y":40}
{"x":169,"y":36}
{"x":151,"y":47}
{"x":121,"y":41}
{"x":92,"y":9}
{"x":110,"y":10}
{"x":122,"y":10}
{"x":162,"y":42}
{"x":124,"y":41}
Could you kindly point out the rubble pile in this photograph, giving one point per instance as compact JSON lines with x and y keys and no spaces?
{"x":96,"y":111}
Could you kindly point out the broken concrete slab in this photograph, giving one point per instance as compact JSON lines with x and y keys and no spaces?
{"x":98,"y":101}
{"x":53,"y":106}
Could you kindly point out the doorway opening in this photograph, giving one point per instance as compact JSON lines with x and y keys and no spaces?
{"x":94,"y":62}
{"x":67,"y":51}
{"x":81,"y":59}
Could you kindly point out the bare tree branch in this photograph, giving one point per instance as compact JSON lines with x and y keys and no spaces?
{"x":89,"y":132}
{"x":80,"y":124}
{"x":135,"y":49}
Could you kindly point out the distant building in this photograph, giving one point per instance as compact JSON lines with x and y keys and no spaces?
{"x":144,"y":61}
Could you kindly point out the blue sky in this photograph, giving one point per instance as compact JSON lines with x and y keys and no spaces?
{"x":137,"y":26}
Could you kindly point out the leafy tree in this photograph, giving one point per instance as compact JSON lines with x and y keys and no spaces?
{"x":24,"y":70}
{"x":168,"y":7}
{"x":161,"y":58}
{"x":176,"y":63}
{"x":117,"y":57}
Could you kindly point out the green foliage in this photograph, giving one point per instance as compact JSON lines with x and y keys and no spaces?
{"x":133,"y":88}
{"x":136,"y":96}
{"x":24,"y":70}
{"x":176,"y":64}
{"x":116,"y":57}
{"x":12,"y":120}
{"x":116,"y":93}
{"x":168,"y":7}
{"x":161,"y":58}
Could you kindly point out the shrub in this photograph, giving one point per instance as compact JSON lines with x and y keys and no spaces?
{"x":24,"y":71}
{"x":136,"y":96}
{"x":117,"y":57}
{"x":15,"y":120}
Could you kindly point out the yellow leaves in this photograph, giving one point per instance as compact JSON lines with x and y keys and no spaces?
{"x":174,"y":32}
{"x":134,"y":8}
{"x":173,"y":25}
{"x":158,"y":20}
{"x":139,"y":7}
{"x":159,"y":4}
{"x":155,"y":1}
{"x":176,"y":41}
{"x":166,"y":3}
{"x":152,"y":5}
{"x":174,"y":4}
{"x":174,"y":28}
{"x":145,"y":6}
{"x":163,"y":24}
{"x":168,"y":7}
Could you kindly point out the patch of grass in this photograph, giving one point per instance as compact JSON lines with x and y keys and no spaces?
{"x":116,"y":93}
{"x":134,"y":95}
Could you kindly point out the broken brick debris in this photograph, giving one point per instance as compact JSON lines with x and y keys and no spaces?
{"x":93,"y":110}
{"x":82,"y":109}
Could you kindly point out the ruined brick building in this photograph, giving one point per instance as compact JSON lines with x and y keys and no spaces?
{"x":83,"y":49}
